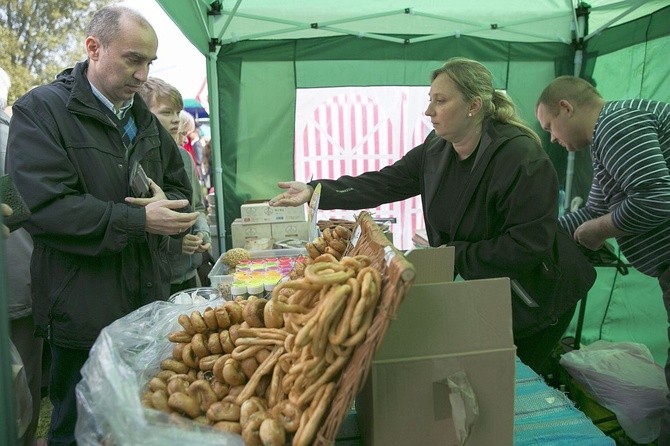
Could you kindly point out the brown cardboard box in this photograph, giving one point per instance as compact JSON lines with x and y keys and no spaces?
{"x":242,"y":233}
{"x":254,"y":213}
{"x":443,"y":331}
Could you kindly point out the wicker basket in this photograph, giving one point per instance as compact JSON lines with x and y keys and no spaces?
{"x":397,"y":275}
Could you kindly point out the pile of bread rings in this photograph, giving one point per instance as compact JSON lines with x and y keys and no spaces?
{"x":267,"y":368}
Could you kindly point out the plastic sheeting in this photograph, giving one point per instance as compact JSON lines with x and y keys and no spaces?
{"x":124,"y":358}
{"x":623,"y":377}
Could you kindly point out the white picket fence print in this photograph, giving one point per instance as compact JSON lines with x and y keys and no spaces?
{"x":348,"y":131}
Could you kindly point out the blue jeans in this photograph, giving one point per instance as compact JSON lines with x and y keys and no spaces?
{"x":65,"y":373}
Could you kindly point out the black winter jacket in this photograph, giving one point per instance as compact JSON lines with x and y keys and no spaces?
{"x":503,"y":225}
{"x":92,"y":262}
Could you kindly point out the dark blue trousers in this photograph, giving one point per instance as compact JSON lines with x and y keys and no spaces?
{"x":65,"y":373}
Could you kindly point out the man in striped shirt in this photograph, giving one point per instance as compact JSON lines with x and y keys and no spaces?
{"x":630,"y":194}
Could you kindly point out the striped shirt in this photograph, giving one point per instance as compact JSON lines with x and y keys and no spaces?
{"x":631,"y":179}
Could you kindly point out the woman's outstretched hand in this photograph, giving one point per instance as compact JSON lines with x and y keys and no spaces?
{"x":295,"y":194}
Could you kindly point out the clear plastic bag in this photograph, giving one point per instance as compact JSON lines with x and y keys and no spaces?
{"x":126,"y":355}
{"x":23,"y":401}
{"x":623,"y":377}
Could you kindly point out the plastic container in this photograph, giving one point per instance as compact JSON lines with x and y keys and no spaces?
{"x":285,"y":257}
{"x":255,"y":288}
{"x":239,"y":290}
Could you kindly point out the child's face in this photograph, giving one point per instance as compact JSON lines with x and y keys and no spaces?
{"x":168,"y":116}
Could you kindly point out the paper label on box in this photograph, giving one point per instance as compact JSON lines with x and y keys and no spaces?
{"x":255,"y":213}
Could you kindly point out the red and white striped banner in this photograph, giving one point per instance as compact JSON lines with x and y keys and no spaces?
{"x":348,"y":131}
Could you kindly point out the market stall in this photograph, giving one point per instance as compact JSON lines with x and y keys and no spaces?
{"x":455,"y":380}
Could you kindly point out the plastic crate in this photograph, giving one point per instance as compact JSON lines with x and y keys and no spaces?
{"x":219,"y":272}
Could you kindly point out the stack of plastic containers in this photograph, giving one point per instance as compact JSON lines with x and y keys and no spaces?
{"x":259,"y":276}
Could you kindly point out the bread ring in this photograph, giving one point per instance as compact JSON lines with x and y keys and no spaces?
{"x":177,"y":350}
{"x":250,"y":407}
{"x":185,"y":322}
{"x":217,"y":368}
{"x":233,"y":374}
{"x":222,"y":317}
{"x":233,"y":332}
{"x":159,"y":401}
{"x":177,"y":385}
{"x":320,"y":244}
{"x":198,"y":345}
{"x":319,"y":273}
{"x":184,"y":404}
{"x":157,"y":384}
{"x":198,"y":322}
{"x":174,"y":365}
{"x":334,"y":252}
{"x":288,"y":415}
{"x":271,"y":316}
{"x":165,"y":375}
{"x":209,"y":315}
{"x":224,"y":411}
{"x":272,"y":433}
{"x":249,"y":366}
{"x":318,"y":410}
{"x":202,"y":392}
{"x":214,"y":343}
{"x":338,"y":245}
{"x":234,"y":391}
{"x":312,"y":251}
{"x":234,"y":310}
{"x":251,"y":430}
{"x":207,"y":363}
{"x":220,"y":389}
{"x":262,"y":354}
{"x":226,"y":342}
{"x":343,"y":232}
{"x":325,"y":257}
{"x":185,"y":376}
{"x":189,"y":357}
{"x":253,"y":312}
{"x":327,"y":235}
{"x":179,"y":336}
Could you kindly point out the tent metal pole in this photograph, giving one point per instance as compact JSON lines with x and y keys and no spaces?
{"x":580,"y":30}
{"x":215,"y":123}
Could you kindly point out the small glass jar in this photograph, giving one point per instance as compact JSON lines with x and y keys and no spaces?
{"x":255,"y":288}
{"x":238,"y":290}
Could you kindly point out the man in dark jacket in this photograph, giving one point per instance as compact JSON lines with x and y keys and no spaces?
{"x":99,"y":250}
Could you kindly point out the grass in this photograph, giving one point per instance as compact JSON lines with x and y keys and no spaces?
{"x":45,"y":418}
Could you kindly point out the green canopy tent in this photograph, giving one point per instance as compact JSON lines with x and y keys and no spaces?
{"x":261,"y":52}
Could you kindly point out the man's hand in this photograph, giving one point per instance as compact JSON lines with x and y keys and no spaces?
{"x":592,"y":233}
{"x":157,"y":194}
{"x":297,"y":193}
{"x":161,"y":219}
{"x":588,"y":235}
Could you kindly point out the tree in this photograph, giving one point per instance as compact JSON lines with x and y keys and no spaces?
{"x":38,"y":38}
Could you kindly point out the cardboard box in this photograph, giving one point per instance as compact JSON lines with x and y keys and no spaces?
{"x":254,"y":213}
{"x":443,"y":331}
{"x":242,"y":233}
{"x":298,"y":230}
